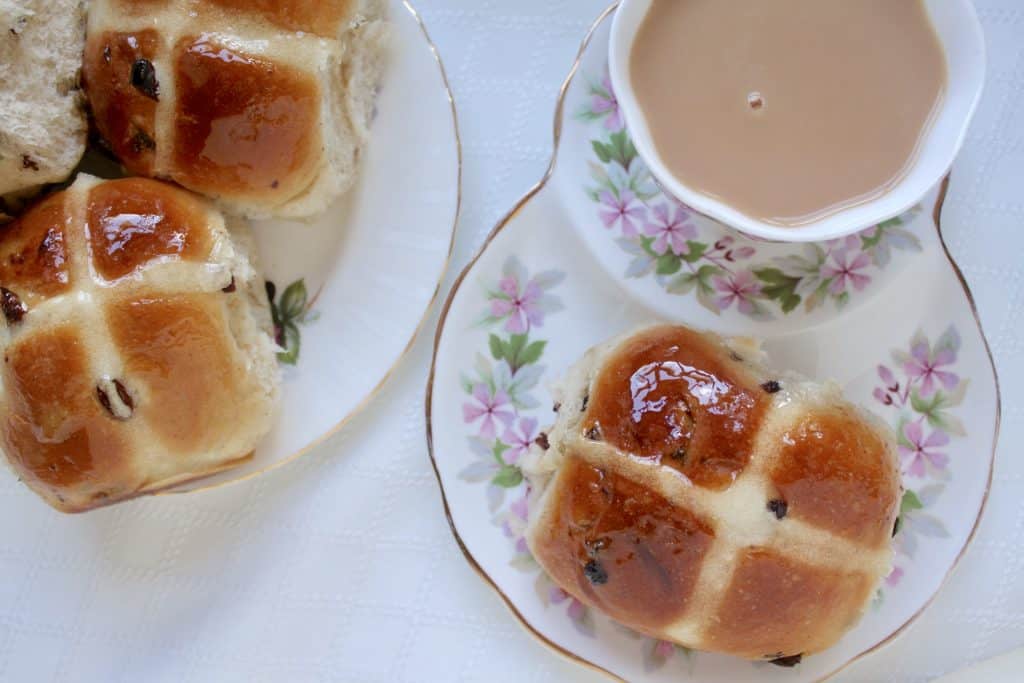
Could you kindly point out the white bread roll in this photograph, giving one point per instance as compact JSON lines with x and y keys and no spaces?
{"x":262,"y":105}
{"x":137,"y":341}
{"x":695,"y":496}
{"x":43,"y":124}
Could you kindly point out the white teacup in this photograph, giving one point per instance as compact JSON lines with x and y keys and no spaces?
{"x":960,"y":33}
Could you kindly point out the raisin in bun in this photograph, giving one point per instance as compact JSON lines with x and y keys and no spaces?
{"x":693,"y":495}
{"x":263,"y":105}
{"x":137,"y":343}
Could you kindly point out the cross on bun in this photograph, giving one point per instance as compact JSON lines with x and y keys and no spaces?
{"x":694,"y":496}
{"x":137,"y":343}
{"x":263,"y":105}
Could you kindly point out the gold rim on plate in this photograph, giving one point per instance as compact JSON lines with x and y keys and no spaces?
{"x":368,"y":399}
{"x":503,"y":222}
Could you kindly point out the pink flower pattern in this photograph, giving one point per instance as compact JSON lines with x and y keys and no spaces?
{"x":671,"y":230}
{"x":519,"y":440}
{"x":920,"y":453}
{"x":894,"y":577}
{"x":664,"y":649}
{"x":740,"y":289}
{"x":926,"y":427}
{"x":514,"y":525}
{"x":845,"y":270}
{"x":848,"y":243}
{"x":604,"y":103}
{"x":692,"y":255}
{"x":491,"y":408}
{"x":924,"y":365}
{"x":577,"y":610}
{"x":521,"y":307}
{"x":623,"y":209}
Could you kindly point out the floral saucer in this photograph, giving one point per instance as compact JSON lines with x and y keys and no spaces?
{"x":595,"y":250}
{"x":351,"y":289}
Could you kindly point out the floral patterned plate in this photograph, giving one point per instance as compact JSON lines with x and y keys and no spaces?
{"x":351,"y":289}
{"x":595,"y":250}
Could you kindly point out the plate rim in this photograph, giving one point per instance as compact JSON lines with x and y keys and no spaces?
{"x":503,"y":223}
{"x":428,"y":309}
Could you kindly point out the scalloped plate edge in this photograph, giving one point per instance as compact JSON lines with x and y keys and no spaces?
{"x":503,"y":223}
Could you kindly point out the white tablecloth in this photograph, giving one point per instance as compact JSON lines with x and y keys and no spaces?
{"x":342,"y":567}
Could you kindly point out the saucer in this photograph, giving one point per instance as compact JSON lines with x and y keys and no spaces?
{"x":352,"y":288}
{"x":595,"y":250}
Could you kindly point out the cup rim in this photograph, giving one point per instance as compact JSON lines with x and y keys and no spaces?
{"x":933,"y":161}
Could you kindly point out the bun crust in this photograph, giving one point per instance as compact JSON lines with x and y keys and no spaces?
{"x":43,"y":127}
{"x":694,"y":496}
{"x":135,"y":358}
{"x":257,"y":104}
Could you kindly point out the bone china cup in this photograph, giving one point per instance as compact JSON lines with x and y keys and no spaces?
{"x":960,"y":35}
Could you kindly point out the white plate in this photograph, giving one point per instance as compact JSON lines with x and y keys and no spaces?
{"x":563,"y":272}
{"x":372,"y":264}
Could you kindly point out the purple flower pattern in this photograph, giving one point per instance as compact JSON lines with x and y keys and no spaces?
{"x":918,"y":453}
{"x":894,"y":577}
{"x":490,"y":407}
{"x":690,"y":254}
{"x":847,"y":269}
{"x":576,"y":610}
{"x":924,"y":364}
{"x":519,"y":438}
{"x":603,"y":105}
{"x":623,"y":209}
{"x":519,"y":307}
{"x":671,"y":229}
{"x":514,"y":523}
{"x":740,"y":288}
{"x":923,"y":398}
{"x":520,"y":301}
{"x":669,"y":235}
{"x":499,"y":411}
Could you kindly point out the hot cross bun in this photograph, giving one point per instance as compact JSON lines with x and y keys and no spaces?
{"x":263,"y":105}
{"x":137,"y":343}
{"x":695,"y":496}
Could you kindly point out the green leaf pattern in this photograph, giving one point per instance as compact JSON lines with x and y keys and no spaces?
{"x":502,"y":412}
{"x":292,"y":310}
{"x":722,"y":271}
{"x":923,"y":392}
{"x":719,"y":271}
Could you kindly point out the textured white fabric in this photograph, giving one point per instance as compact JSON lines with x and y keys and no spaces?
{"x":341,"y":566}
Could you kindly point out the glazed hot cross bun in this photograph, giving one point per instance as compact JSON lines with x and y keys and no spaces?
{"x":263,"y":105}
{"x":692,"y":495}
{"x":137,"y":343}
